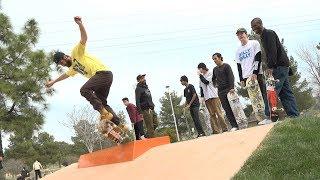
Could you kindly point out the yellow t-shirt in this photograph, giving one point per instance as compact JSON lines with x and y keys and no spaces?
{"x":84,"y":63}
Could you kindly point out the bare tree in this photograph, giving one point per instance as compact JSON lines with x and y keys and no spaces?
{"x":84,"y":121}
{"x":311,"y":56}
{"x":13,"y":166}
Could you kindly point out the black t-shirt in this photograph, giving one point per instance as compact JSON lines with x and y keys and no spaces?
{"x":188,"y":93}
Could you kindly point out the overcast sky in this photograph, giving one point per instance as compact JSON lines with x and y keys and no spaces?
{"x":164,"y":39}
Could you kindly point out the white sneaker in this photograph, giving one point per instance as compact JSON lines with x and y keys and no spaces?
{"x":265,"y":121}
{"x":233,"y":129}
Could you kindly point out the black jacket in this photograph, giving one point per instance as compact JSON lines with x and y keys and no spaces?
{"x":143,"y":97}
{"x":276,"y":55}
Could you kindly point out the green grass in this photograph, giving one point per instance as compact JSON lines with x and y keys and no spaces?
{"x":290,"y":151}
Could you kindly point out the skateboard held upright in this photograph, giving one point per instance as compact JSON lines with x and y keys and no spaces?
{"x":272,"y":98}
{"x":237,"y":110}
{"x":256,"y":98}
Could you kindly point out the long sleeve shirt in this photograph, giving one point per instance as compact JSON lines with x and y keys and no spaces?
{"x":207,"y":89}
{"x":134,"y":114}
{"x":276,"y":55}
{"x":223,"y":78}
{"x":143,"y":97}
{"x":248,"y":58}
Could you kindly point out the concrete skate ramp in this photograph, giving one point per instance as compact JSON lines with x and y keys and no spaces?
{"x":207,"y":158}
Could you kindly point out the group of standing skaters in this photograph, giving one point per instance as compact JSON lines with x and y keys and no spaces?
{"x":216,"y":84}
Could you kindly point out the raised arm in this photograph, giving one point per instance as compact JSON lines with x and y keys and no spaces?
{"x":83,"y":32}
{"x":60,"y":78}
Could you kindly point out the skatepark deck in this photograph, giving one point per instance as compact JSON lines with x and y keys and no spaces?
{"x":213,"y":157}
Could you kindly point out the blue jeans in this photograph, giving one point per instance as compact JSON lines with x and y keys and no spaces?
{"x":284,"y":91}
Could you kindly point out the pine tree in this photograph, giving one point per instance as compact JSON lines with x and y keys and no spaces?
{"x":300,"y":88}
{"x":166,"y":125}
{"x":23,"y":73}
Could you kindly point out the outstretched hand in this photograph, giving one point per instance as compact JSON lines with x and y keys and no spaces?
{"x":254,"y":77}
{"x":242,"y":84}
{"x":269,"y":72}
{"x":186,"y":107}
{"x":49,"y":83}
{"x":78,"y":20}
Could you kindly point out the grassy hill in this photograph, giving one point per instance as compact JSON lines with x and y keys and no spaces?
{"x":290,"y":151}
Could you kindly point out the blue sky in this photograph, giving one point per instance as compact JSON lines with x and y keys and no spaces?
{"x":164,"y":39}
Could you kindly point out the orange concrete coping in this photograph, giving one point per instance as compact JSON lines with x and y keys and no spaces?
{"x":121,"y":153}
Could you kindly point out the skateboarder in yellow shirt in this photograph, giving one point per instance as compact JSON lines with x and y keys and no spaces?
{"x":96,"y":89}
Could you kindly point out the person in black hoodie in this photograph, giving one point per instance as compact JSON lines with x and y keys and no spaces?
{"x":278,"y":66}
{"x":145,"y":106}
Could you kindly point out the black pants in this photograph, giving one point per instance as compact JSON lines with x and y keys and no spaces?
{"x":38,"y":174}
{"x":194,"y":111}
{"x":96,"y":91}
{"x":226,"y":106}
{"x":138,"y":129}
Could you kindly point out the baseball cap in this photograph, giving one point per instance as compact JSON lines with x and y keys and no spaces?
{"x":241,"y":30}
{"x":140,"y":76}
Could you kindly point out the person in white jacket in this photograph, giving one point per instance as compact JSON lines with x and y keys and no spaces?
{"x":37,"y":167}
{"x":210,"y":95}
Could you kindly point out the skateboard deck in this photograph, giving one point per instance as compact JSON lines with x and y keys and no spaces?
{"x":237,"y":110}
{"x":272,"y":98}
{"x":255,"y":98}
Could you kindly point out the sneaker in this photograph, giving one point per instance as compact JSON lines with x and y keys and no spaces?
{"x":265,"y":121}
{"x":123,"y":127}
{"x":105,"y":115}
{"x":201,"y":135}
{"x":233,"y":129}
{"x":142,"y":137}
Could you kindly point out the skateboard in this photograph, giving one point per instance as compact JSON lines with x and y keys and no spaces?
{"x":237,"y":110}
{"x":206,"y":115}
{"x":272,"y":98}
{"x":184,"y":116}
{"x":255,"y":98}
{"x":111,"y":131}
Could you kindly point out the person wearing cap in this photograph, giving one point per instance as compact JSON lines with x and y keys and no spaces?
{"x":135,"y":117}
{"x":248,"y":58}
{"x":192,"y":103}
{"x":223,"y":79}
{"x":96,"y":89}
{"x":145,"y":106}
{"x":278,"y":65}
{"x":210,"y":95}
